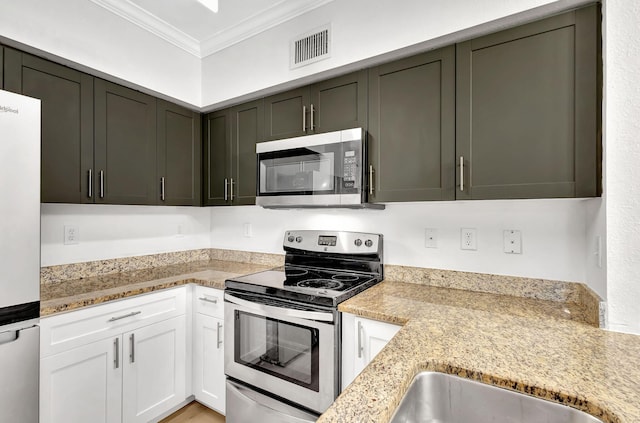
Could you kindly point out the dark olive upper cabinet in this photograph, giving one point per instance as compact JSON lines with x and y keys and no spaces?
{"x":411,"y":135}
{"x":125,"y":145}
{"x":179,"y":155}
{"x":1,"y":67}
{"x":230,"y":154}
{"x":67,"y":123}
{"x":527,"y":110}
{"x":335,"y":104}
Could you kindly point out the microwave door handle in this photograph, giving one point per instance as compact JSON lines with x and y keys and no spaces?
{"x":270,"y":311}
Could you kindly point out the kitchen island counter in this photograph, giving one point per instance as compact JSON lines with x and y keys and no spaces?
{"x":542,"y":348}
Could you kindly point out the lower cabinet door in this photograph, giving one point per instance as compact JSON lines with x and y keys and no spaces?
{"x":208,"y":362}
{"x":83,"y":384}
{"x":154,"y":375}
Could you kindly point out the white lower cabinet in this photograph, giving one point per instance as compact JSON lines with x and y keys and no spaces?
{"x":154,"y":371}
{"x":135,"y":374}
{"x":362,"y":340}
{"x":208,"y":348}
{"x":82,"y":384}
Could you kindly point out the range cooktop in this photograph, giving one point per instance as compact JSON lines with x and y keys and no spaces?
{"x":321,"y":267}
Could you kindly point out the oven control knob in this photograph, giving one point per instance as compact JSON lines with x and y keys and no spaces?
{"x":368,"y":243}
{"x":358,"y":242}
{"x":298,"y":239}
{"x":290,"y":238}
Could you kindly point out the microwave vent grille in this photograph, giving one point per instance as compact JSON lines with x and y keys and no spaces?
{"x":311,"y":47}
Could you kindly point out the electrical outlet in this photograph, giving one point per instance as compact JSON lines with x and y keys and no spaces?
{"x":71,"y":235}
{"x":431,"y":238}
{"x":468,"y":239}
{"x":512,"y":241}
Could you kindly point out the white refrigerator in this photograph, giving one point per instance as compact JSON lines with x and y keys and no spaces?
{"x":19,"y":257}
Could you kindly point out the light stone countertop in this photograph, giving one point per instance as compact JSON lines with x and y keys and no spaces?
{"x":76,"y":293}
{"x":538,"y":347}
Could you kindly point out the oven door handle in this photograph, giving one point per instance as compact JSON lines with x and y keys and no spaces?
{"x":269,"y":311}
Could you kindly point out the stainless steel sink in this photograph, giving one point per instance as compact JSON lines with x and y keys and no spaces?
{"x":442,"y":398}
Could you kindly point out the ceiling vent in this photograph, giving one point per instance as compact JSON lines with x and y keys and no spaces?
{"x":311,"y":47}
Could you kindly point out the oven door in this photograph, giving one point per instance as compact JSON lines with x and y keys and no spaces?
{"x":322,"y":169}
{"x":281,"y":350}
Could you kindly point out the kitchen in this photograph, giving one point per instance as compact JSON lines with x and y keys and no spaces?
{"x":559,"y":236}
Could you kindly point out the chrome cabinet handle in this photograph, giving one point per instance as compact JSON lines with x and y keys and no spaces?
{"x":231,"y":185}
{"x":102,"y":184}
{"x":90,"y":183}
{"x":360,"y":347}
{"x":370,"y":179}
{"x":312,"y":110}
{"x":461,"y":173}
{"x":304,"y":118}
{"x":133,"y":313}
{"x":209,"y":300}
{"x":219,"y":341}
{"x":116,"y":353}
{"x":132,"y":353}
{"x":226,"y":184}
{"x":162,"y":188}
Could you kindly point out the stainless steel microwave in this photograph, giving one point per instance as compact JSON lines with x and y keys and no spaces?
{"x":322,"y":170}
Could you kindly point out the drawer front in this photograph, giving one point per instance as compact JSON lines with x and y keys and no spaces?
{"x":69,"y":330}
{"x":209,"y":301}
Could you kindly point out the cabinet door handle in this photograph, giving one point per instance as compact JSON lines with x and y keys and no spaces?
{"x":90,"y":183}
{"x":124,"y":316}
{"x":162,"y":188}
{"x":231,"y":185}
{"x":132,"y":353}
{"x":226,"y":187}
{"x":304,"y":118}
{"x":370,"y":179}
{"x":102,"y":184}
{"x":219,"y":341}
{"x":312,"y":110}
{"x":116,"y":353}
{"x":360,"y":347}
{"x":461,"y":173}
{"x":209,"y":300}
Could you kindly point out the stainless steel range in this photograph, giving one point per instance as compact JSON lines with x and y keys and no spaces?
{"x":282,"y":359}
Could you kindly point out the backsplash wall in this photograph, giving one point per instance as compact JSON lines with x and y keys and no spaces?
{"x":108,"y":231}
{"x":553,"y":234}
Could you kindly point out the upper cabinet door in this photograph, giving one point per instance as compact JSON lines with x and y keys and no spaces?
{"x":527,"y":110}
{"x":179,"y":155}
{"x":67,"y":124}
{"x":286,"y":114}
{"x":339,"y":103}
{"x":247,"y":130}
{"x":411,"y":135}
{"x":1,"y":67}
{"x":217,"y":158}
{"x":125,"y":142}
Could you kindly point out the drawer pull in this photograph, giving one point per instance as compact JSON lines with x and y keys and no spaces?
{"x":133,"y":313}
{"x":209,"y":300}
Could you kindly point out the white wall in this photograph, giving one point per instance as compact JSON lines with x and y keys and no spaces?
{"x":622,"y":152}
{"x":553,"y":233}
{"x":362,"y":31}
{"x":103,"y":44}
{"x":107,"y":231}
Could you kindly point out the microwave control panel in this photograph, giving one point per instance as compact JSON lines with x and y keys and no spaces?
{"x":350,"y":169}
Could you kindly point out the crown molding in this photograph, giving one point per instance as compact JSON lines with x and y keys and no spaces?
{"x":258,"y":22}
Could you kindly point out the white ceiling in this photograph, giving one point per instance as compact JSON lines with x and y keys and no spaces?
{"x":194,"y":28}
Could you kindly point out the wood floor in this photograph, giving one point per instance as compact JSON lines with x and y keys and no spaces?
{"x":194,"y":413}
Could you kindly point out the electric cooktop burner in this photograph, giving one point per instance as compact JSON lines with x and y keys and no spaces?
{"x":321,"y":267}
